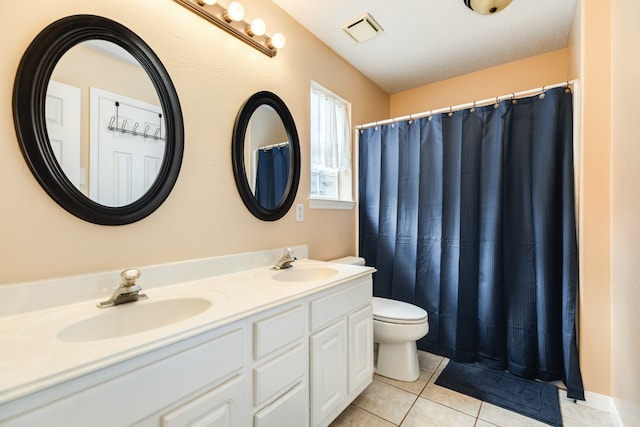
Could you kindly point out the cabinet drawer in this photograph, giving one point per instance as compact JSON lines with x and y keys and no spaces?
{"x":290,"y":410}
{"x":277,"y":374}
{"x":221,"y":406}
{"x":277,"y":331}
{"x":336,"y":305}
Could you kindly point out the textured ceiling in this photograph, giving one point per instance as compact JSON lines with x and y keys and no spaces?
{"x":425,"y":41}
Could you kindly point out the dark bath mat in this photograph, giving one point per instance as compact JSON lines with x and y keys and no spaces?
{"x":530,"y":398}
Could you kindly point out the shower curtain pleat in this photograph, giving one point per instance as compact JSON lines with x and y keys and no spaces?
{"x":471,"y":216}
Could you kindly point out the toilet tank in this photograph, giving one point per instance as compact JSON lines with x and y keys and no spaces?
{"x":353,"y":260}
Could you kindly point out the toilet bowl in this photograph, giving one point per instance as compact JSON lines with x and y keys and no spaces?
{"x":397,"y":326}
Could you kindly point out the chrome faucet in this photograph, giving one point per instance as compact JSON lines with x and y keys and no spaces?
{"x":128,"y":291}
{"x":286,"y":260}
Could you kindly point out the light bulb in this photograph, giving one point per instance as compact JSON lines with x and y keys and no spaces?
{"x":257,"y":28}
{"x":235,"y":12}
{"x":277,"y":41}
{"x":207,"y":2}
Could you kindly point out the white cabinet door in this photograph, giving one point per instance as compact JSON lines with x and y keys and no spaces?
{"x":360,"y":347}
{"x":328,"y":370}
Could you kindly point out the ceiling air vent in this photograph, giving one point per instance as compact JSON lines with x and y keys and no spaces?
{"x":363,"y":28}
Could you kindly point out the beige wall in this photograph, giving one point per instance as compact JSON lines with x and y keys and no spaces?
{"x":594,"y":72}
{"x":625,"y":211}
{"x":517,"y":76}
{"x":204,"y":216}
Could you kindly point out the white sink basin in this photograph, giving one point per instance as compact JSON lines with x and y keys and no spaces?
{"x":304,"y":274}
{"x":133,"y":318}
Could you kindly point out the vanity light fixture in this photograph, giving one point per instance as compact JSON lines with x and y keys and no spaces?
{"x":231,"y":19}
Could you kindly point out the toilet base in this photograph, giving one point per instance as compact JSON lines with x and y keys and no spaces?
{"x":398,"y":361}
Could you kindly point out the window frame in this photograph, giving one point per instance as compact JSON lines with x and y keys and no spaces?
{"x":316,"y":202}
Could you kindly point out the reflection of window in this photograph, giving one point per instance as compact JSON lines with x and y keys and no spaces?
{"x":330,"y":146}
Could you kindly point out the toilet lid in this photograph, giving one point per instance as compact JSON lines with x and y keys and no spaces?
{"x":388,"y":310}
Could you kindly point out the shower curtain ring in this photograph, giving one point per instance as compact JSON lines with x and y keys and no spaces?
{"x":513,"y":98}
{"x":410,"y":119}
{"x":497,"y":104}
{"x":430,"y":115}
{"x":450,"y":111}
{"x":473,"y":107}
{"x":542,"y":95}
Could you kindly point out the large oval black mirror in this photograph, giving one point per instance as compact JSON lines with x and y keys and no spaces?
{"x":131,"y":143}
{"x":266,"y":156}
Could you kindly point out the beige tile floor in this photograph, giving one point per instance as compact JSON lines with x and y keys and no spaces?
{"x":389,"y":403}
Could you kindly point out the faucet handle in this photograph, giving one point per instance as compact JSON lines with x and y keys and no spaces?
{"x":129,"y":277}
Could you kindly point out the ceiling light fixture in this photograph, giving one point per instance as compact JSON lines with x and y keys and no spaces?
{"x":231,"y":19}
{"x":487,"y":7}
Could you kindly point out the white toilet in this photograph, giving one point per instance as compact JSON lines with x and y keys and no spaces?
{"x":397,"y":326}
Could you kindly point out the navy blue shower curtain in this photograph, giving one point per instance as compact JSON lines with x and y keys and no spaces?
{"x":471,"y":216}
{"x":272,"y":176}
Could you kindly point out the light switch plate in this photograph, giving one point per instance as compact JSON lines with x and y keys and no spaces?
{"x":300,"y":212}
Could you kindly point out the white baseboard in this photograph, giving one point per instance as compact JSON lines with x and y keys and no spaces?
{"x":615,"y":417}
{"x":597,"y":401}
{"x":600,"y":402}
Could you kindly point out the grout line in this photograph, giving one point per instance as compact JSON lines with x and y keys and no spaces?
{"x":376,"y":415}
{"x":410,"y":408}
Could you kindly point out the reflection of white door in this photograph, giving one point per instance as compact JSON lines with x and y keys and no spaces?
{"x":123,"y":165}
{"x":62,"y":111}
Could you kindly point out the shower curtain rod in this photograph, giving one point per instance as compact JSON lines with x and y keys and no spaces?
{"x":473,"y":104}
{"x":269,"y":147}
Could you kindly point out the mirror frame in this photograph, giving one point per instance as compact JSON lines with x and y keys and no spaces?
{"x":237,"y":153}
{"x":29,"y":96}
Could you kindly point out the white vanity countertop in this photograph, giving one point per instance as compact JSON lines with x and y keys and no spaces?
{"x":32,"y":357}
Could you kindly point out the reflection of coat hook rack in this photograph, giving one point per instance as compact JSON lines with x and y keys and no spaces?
{"x":113,"y":126}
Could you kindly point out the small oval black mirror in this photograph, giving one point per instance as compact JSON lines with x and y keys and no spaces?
{"x":266,"y":156}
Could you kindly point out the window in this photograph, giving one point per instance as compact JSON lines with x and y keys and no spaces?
{"x":330,"y":149}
